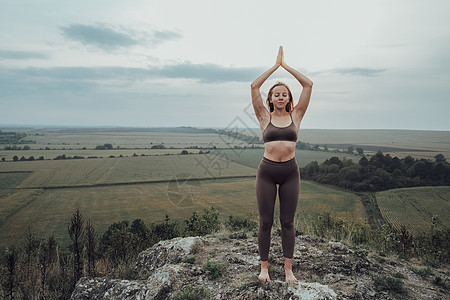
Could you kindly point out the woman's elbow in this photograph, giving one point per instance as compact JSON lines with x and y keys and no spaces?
{"x":253,"y":85}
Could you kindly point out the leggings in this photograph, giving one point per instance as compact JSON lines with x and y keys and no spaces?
{"x":287,"y":175}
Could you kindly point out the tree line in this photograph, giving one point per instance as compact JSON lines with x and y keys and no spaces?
{"x":41,"y":269}
{"x":13,"y":138}
{"x":380,"y":172}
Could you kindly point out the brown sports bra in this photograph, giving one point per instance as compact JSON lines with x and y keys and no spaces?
{"x":274,"y":133}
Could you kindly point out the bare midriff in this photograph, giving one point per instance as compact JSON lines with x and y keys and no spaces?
{"x":279,"y":150}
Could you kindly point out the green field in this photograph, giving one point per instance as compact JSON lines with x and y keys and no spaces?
{"x":43,"y":194}
{"x":127,"y":141}
{"x":82,"y":172}
{"x":46,"y":199}
{"x":415,"y":207}
{"x":252,"y":157}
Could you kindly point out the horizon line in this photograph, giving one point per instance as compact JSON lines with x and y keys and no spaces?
{"x":39,"y":126}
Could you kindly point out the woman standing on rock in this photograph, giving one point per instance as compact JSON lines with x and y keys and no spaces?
{"x":278,"y":165}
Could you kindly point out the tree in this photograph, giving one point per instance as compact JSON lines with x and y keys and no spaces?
{"x":350,"y":149}
{"x":117,"y":243}
{"x":31,"y":249}
{"x":363,"y":161}
{"x":312,"y":169}
{"x":11,"y":259}
{"x":440,"y":158}
{"x":91,"y":247}
{"x":76,"y":232}
{"x":47,"y":256}
{"x":360,"y":150}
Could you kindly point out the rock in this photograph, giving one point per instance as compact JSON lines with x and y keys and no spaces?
{"x":166,"y":251}
{"x":325,"y":270}
{"x":313,"y":290}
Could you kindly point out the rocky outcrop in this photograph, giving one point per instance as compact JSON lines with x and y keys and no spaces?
{"x":226,"y":267}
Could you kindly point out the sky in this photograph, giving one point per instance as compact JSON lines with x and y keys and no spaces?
{"x":374,"y":64}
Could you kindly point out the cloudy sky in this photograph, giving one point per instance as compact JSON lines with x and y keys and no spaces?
{"x":374,"y":64}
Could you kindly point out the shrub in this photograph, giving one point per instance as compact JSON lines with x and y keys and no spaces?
{"x":238,"y":223}
{"x":214,"y":269}
{"x":424,"y":272}
{"x":191,"y":293}
{"x":200,"y":225}
{"x":389,"y":284}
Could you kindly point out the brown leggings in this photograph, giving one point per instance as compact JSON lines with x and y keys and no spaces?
{"x":287,"y":175}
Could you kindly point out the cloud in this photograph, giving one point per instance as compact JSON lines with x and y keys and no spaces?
{"x":160,"y":36}
{"x":107,"y":37}
{"x":100,"y":36}
{"x":352,"y":71}
{"x":209,"y":73}
{"x":359,"y":71}
{"x":205,"y":73}
{"x":13,"y":54}
{"x":83,"y":79}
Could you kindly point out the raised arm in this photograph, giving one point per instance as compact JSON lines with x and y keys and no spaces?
{"x":258,"y":105}
{"x":306,"y":83}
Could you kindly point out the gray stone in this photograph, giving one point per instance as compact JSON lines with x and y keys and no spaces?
{"x":327,"y":270}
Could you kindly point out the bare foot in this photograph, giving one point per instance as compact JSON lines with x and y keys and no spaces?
{"x":288,"y":270}
{"x":290,"y":276}
{"x":264,"y":275}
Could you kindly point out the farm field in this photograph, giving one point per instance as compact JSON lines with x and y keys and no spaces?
{"x":76,"y":172}
{"x":39,"y":201}
{"x":415,"y":207}
{"x":127,"y":141}
{"x":88,"y":172}
{"x":417,"y":143}
{"x":150,"y":183}
{"x":252,"y":157}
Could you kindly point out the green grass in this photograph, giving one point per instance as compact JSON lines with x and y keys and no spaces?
{"x":214,"y":269}
{"x":414,"y":208}
{"x":393,"y":285}
{"x":39,"y":201}
{"x":193,"y":293}
{"x":54,"y":173}
{"x":48,"y":211}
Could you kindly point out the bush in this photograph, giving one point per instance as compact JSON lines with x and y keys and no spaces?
{"x":239,"y":223}
{"x":214,"y":269}
{"x":424,"y":272}
{"x":191,"y":293}
{"x":389,"y":284}
{"x":209,"y":222}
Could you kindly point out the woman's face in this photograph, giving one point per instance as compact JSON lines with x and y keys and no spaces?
{"x":280,"y":96}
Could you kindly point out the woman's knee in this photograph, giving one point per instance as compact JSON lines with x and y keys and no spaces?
{"x":287,"y":224}
{"x":266,"y":224}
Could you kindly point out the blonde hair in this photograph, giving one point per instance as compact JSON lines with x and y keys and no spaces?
{"x":289,"y":106}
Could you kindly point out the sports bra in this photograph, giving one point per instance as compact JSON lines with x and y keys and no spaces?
{"x":274,"y":133}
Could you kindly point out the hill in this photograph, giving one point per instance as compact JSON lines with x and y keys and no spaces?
{"x":223,"y":267}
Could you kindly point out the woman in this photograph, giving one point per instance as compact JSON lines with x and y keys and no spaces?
{"x":278,"y":166}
